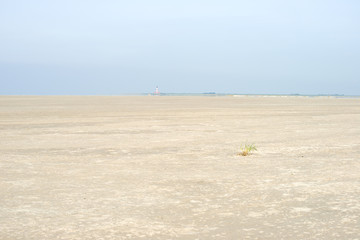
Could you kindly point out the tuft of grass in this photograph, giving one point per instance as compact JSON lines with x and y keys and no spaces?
{"x":247,"y":149}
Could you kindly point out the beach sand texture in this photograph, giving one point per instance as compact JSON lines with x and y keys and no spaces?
{"x":150,"y":167}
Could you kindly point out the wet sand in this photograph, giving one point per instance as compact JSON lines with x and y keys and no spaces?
{"x":167,"y":168}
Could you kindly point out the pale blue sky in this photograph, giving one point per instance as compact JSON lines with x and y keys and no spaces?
{"x":225,"y":46}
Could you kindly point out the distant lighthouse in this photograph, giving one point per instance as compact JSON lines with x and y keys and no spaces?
{"x":157,"y":91}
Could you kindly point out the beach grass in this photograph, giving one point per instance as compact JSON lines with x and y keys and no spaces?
{"x":247,"y":149}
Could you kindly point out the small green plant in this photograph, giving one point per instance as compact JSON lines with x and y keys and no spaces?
{"x":247,"y":149}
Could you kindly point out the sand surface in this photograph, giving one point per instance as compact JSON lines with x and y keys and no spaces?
{"x":167,"y":168}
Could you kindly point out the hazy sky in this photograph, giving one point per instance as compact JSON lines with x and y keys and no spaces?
{"x":224,"y":46}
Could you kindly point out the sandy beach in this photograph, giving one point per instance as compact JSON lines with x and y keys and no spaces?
{"x":157,"y":167}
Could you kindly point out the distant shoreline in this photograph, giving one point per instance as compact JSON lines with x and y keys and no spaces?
{"x":189,"y":95}
{"x":253,"y":95}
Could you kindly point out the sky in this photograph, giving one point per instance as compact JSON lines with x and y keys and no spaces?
{"x":114,"y":47}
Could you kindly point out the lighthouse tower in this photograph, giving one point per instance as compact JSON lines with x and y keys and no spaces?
{"x":157,"y":91}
